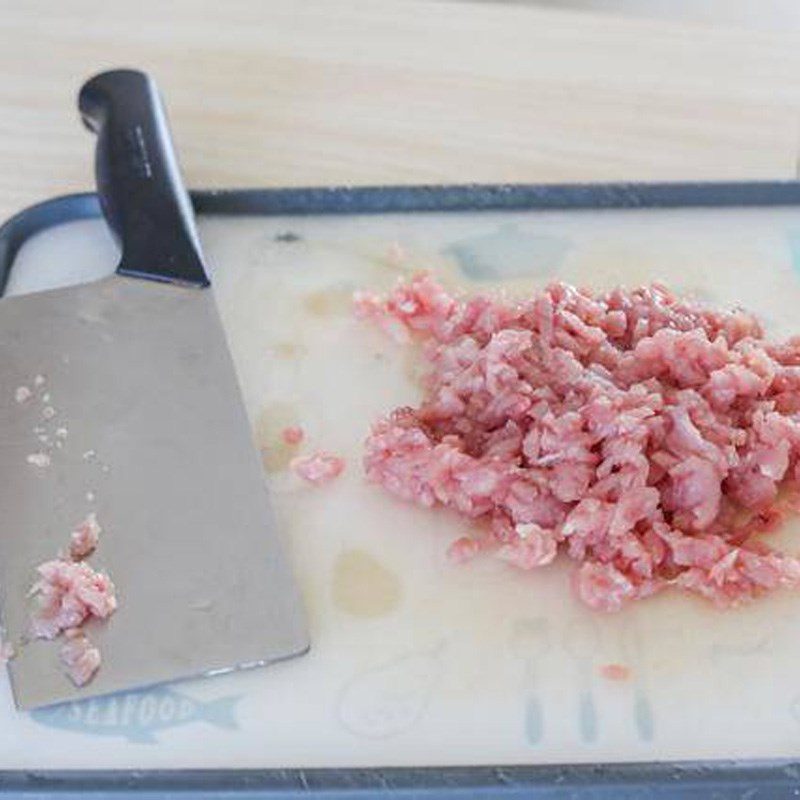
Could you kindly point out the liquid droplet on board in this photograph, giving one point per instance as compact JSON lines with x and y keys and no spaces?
{"x":329,"y":302}
{"x":273,"y":419}
{"x":363,"y":587}
{"x":288,"y":350}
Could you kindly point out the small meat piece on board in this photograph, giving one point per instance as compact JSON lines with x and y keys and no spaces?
{"x":293,"y":434}
{"x":318,"y":468}
{"x":615,"y":672}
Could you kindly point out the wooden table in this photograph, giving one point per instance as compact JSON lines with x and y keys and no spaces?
{"x":369,"y":91}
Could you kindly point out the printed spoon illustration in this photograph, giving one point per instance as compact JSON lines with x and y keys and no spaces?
{"x":633,"y":651}
{"x":529,"y":640}
{"x":580,"y":642}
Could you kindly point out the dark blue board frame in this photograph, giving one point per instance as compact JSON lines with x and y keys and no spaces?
{"x":755,"y":780}
{"x":417,"y":199}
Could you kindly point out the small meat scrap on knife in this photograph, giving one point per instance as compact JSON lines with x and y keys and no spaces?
{"x":7,"y":651}
{"x":22,"y":394}
{"x":40,"y":460}
{"x":69,"y":593}
{"x":79,"y":657}
{"x":647,"y":437}
{"x":83,"y":540}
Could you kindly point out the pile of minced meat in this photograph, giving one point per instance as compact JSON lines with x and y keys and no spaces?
{"x":649,"y":438}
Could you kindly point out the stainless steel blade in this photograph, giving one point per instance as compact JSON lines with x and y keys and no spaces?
{"x":139,"y":375}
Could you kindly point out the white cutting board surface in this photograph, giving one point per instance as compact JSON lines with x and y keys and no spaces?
{"x":415,"y":661}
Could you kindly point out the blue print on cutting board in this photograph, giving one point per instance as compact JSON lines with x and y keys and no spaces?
{"x":794,"y":249}
{"x":389,"y":699}
{"x":138,"y":716}
{"x":529,"y":642}
{"x":509,"y":252}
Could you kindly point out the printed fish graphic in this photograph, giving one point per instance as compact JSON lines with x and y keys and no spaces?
{"x":509,"y":252}
{"x":138,"y":716}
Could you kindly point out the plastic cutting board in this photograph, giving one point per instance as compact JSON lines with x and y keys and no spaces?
{"x":414,"y":661}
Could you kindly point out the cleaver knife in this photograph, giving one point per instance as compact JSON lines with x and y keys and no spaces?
{"x":135,"y":404}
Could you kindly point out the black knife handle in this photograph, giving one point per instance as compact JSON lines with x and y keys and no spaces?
{"x":138,"y":180}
